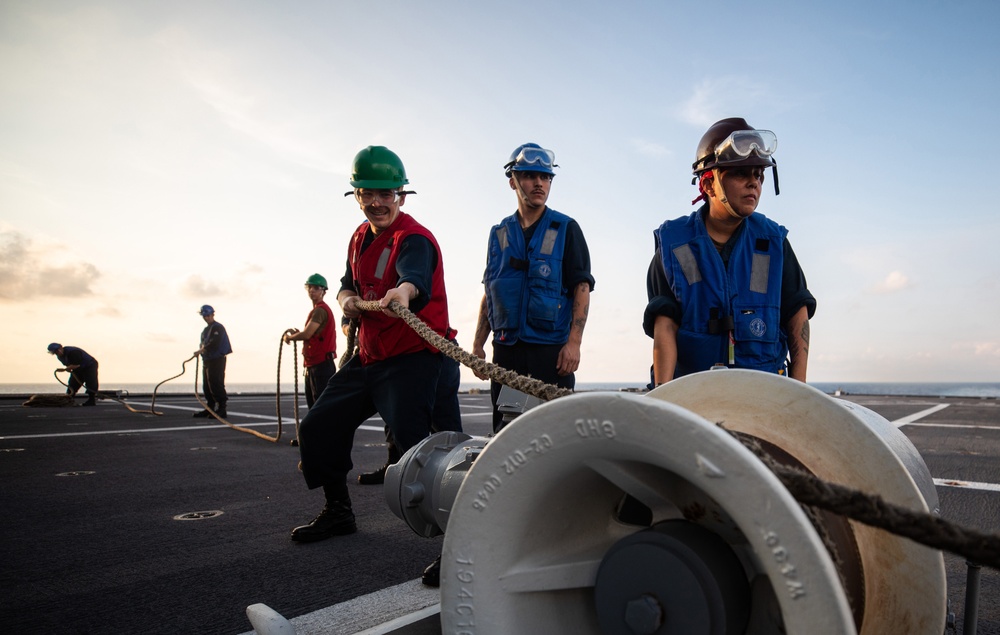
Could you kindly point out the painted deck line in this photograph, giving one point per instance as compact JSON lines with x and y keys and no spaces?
{"x":269,"y":421}
{"x":919,"y":415}
{"x":403,"y":604}
{"x":957,"y":426}
{"x":392,"y":626}
{"x":949,"y":482}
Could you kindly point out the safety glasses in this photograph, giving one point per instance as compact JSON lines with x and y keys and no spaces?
{"x":740,"y":144}
{"x":384,"y":197}
{"x":533,"y":158}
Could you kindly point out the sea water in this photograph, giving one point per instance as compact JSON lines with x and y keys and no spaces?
{"x":909,"y":389}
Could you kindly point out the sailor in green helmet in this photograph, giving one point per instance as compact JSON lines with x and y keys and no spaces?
{"x":319,"y":353}
{"x":391,"y":257}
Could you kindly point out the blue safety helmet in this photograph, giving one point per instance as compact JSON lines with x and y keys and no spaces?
{"x":206,"y":310}
{"x":53,"y":347}
{"x":530,"y":157}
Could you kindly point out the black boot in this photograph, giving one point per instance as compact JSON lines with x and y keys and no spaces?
{"x":204,"y":414}
{"x":221,"y":411}
{"x":336,"y":519}
{"x":432,"y":574}
{"x":378,"y":476}
{"x":373,"y":478}
{"x":90,"y":401}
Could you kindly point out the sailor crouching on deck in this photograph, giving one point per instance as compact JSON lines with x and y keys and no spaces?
{"x":395,"y":374}
{"x":82,"y":369}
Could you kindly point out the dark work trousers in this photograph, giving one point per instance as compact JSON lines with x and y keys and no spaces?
{"x":317,"y":377}
{"x":213,"y":375}
{"x":447,"y":414}
{"x":84,"y":377}
{"x":537,"y":360}
{"x":401,"y":389}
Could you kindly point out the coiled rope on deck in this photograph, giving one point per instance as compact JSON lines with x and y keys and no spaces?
{"x":102,"y":395}
{"x":869,"y":509}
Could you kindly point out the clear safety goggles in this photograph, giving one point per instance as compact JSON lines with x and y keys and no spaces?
{"x":382,"y":197}
{"x":740,"y":144}
{"x":534,"y":159}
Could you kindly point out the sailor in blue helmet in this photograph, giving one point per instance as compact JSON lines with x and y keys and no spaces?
{"x":724,"y":286}
{"x":82,"y":369}
{"x":537,"y":281}
{"x":214,"y":348}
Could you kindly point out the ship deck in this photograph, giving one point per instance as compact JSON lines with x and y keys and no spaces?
{"x":133,"y":523}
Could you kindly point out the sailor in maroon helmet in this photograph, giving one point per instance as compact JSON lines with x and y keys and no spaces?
{"x":319,"y":353}
{"x":724,"y":286}
{"x":395,"y":374}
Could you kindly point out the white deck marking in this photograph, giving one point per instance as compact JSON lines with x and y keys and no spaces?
{"x":956,"y":426}
{"x":950,"y":482}
{"x":270,"y":420}
{"x":377,"y":613}
{"x":919,"y":415}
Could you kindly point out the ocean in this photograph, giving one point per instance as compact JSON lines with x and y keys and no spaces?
{"x":910,"y":389}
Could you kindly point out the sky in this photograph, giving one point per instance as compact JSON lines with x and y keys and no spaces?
{"x":160,"y":156}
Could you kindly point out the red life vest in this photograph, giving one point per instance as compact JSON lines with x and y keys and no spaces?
{"x":380,"y":336}
{"x":323,"y":343}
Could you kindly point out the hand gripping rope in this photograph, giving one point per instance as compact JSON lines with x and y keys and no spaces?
{"x":923,"y":528}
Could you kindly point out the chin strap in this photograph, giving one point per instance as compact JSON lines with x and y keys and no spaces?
{"x":711,"y":179}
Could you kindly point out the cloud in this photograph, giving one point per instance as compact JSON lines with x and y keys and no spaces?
{"x":223,"y":82}
{"x":718,"y":97}
{"x":28,"y":271}
{"x":197,"y":287}
{"x":895,"y":281}
{"x":650,"y":148}
{"x":987,"y":349}
{"x":233,"y":286}
{"x":107,"y":311}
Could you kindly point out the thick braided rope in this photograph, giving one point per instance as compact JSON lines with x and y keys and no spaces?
{"x":871,"y":509}
{"x":104,"y":395}
{"x":295,"y":370}
{"x":204,"y":405}
{"x":920,"y":527}
{"x":352,"y":344}
{"x":528,"y":385}
{"x":157,"y":387}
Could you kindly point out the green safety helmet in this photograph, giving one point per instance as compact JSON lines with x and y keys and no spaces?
{"x":317,"y":280}
{"x":378,"y":168}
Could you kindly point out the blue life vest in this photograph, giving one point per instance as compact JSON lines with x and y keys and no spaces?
{"x":86,"y":361}
{"x":221,"y":349}
{"x":525,"y":295}
{"x":745,"y":299}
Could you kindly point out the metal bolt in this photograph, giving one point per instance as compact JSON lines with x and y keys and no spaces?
{"x":644,"y":615}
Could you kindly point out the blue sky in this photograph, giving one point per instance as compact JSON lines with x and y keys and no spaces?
{"x":159,"y":156}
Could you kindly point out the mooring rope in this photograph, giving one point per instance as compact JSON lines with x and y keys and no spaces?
{"x":352,"y":343}
{"x":295,"y":369}
{"x":875,"y":511}
{"x":527,"y":385}
{"x":215,"y":414}
{"x":152,"y":403}
{"x":870,"y":509}
{"x":104,"y":395}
